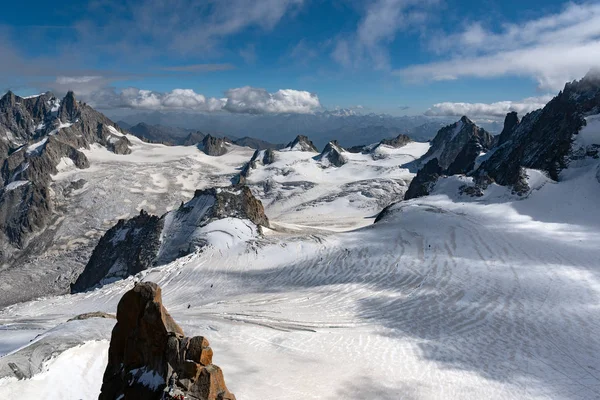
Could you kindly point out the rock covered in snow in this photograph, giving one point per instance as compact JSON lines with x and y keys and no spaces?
{"x":35,"y":135}
{"x":333,"y":154}
{"x":301,"y":143}
{"x":146,"y":240}
{"x":149,"y":354}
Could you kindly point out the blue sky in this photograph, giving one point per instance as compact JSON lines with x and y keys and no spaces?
{"x":436,"y":56}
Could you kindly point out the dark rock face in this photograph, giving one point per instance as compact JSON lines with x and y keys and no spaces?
{"x":213,"y":146}
{"x":510,"y":123}
{"x":265,"y":157}
{"x":398,"y":141}
{"x":423,"y":182}
{"x":149,"y":354}
{"x":127,"y":248}
{"x":333,"y":153}
{"x":542,"y":139}
{"x":302,"y":143}
{"x":451,"y":140}
{"x":465,"y":160}
{"x":35,"y":134}
{"x":145,"y":241}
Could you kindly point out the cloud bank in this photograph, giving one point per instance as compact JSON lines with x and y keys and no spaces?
{"x":553,"y":50}
{"x":497,"y":109}
{"x":245,"y":100}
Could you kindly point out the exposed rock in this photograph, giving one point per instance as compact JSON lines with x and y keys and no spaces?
{"x":397,"y":142}
{"x":465,"y":159}
{"x":35,"y":135}
{"x":144,"y":241}
{"x":543,"y":138}
{"x":263,"y":157}
{"x":213,"y":146}
{"x":510,"y":123}
{"x":424,"y":181}
{"x":127,"y":248}
{"x":149,"y":354}
{"x":302,"y":143}
{"x":332,"y":153}
{"x":452,"y":139}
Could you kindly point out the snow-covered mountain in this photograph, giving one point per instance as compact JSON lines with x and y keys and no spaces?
{"x":471,"y":288}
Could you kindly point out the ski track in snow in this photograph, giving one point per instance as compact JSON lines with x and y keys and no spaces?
{"x":451,"y":297}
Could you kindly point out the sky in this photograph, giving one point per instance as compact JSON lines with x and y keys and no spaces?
{"x":432,"y":57}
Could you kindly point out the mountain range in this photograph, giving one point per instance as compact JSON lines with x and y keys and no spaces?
{"x":470,"y":258}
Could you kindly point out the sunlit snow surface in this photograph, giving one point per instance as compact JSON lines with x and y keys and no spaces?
{"x":449,"y":297}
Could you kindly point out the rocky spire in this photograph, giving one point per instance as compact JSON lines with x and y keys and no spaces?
{"x":149,"y":354}
{"x":68,"y":111}
{"x":8,"y":100}
{"x":510,"y":122}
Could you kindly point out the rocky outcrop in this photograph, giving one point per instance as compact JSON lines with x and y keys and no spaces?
{"x":397,"y":142}
{"x":260,"y":157}
{"x":213,"y":146}
{"x":127,"y":248}
{"x":332,"y":155}
{"x":149,"y":355}
{"x":145,"y":241}
{"x":543,"y":138}
{"x":424,"y":181}
{"x":35,"y":135}
{"x":302,"y":143}
{"x":452,"y":139}
{"x":510,"y":123}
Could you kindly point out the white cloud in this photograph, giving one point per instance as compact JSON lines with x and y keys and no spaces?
{"x":258,"y":101}
{"x":553,"y":50}
{"x":246,"y":100}
{"x":497,"y":109}
{"x":383,"y":19}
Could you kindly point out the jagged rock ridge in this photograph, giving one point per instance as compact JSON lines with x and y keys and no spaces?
{"x":149,"y":355}
{"x":35,"y":135}
{"x":333,"y":154}
{"x":145,"y":240}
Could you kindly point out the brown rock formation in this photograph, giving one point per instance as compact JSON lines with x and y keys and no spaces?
{"x":149,"y":354}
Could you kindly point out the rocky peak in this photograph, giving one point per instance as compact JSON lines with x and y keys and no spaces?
{"x":332,"y":153}
{"x":68,"y":111}
{"x":302,"y":143}
{"x":510,"y":122}
{"x":150,"y":355}
{"x":213,"y":146}
{"x":8,"y":100}
{"x":451,"y":140}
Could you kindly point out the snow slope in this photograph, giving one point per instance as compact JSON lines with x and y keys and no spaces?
{"x":299,"y":191}
{"x":448,"y":297}
{"x":89,"y":201}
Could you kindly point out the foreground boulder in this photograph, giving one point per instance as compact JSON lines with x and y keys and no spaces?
{"x":150,"y":358}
